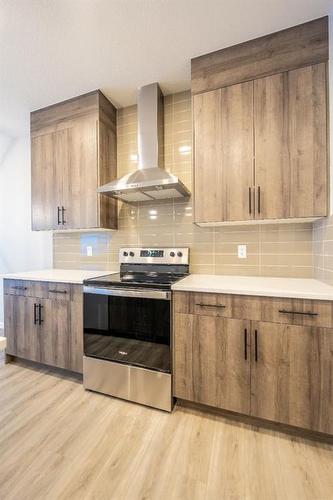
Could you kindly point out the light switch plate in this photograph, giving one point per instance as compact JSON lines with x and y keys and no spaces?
{"x":241,"y":249}
{"x":89,"y":251}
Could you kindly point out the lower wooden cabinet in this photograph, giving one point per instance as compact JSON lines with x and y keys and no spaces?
{"x":274,"y":371}
{"x":48,"y":329}
{"x":291,"y":375}
{"x":212,"y":364}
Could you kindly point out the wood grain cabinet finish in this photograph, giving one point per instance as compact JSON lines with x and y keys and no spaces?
{"x":212,"y":366}
{"x":291,"y":375}
{"x":266,"y":357}
{"x":48,"y":327}
{"x":73,"y":151}
{"x":260,"y":145}
{"x":223,"y":151}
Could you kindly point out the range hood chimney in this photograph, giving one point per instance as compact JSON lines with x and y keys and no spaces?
{"x":150,"y":181}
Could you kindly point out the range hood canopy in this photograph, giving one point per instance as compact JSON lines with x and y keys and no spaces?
{"x":150,"y":181}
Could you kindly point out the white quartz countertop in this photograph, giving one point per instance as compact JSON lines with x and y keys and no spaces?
{"x":75,"y":276}
{"x":262,"y":286}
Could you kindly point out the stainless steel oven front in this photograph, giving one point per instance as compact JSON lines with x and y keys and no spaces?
{"x":127,"y":336}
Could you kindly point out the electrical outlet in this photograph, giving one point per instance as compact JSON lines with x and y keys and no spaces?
{"x":89,"y":251}
{"x":241,"y":251}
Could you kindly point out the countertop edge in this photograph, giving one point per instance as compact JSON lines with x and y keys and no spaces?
{"x":255,"y":293}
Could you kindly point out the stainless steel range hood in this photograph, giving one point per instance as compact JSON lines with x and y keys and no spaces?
{"x":150,"y":181}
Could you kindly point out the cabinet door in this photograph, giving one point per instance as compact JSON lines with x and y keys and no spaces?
{"x":23,"y":336}
{"x":212,"y":361}
{"x":308,"y":141}
{"x":208,"y":203}
{"x":55,"y":332}
{"x":223,"y":154}
{"x":43,"y":204}
{"x":272,"y":166}
{"x":80,"y":181}
{"x":291,"y":375}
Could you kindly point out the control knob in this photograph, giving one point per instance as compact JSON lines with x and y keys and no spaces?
{"x":179,"y":254}
{"x":125,"y":254}
{"x":131,"y":254}
{"x":172,"y":254}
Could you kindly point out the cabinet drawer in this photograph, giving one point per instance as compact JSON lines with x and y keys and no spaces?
{"x":270,"y":309}
{"x":297,"y":311}
{"x":38,"y":289}
{"x":217,"y":304}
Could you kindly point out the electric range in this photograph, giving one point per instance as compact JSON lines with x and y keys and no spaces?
{"x":127,"y":326}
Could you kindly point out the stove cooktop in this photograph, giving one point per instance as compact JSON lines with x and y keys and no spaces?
{"x":149,"y":279}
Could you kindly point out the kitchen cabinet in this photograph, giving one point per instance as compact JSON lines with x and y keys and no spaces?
{"x":73,"y":151}
{"x":224,"y":174}
{"x":211,"y":361}
{"x":260,"y":129}
{"x":23,"y":336}
{"x":266,"y":357}
{"x":44,"y":322}
{"x":291,"y":374}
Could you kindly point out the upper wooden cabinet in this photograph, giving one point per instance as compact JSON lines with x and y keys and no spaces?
{"x":223,"y":151}
{"x":260,"y":146}
{"x":73,"y":151}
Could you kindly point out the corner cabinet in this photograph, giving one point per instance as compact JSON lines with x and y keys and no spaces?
{"x":43,"y":323}
{"x":264,"y":357}
{"x":73,"y":152}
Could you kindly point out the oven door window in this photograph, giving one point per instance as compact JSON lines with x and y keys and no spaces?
{"x":129,"y":330}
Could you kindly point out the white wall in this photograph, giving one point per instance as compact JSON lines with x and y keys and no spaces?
{"x":20,"y":248}
{"x":331,"y":105}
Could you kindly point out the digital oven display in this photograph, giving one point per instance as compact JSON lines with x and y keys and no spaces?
{"x":151,"y":253}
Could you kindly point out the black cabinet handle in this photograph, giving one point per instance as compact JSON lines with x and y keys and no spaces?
{"x":245,"y":344}
{"x":35,"y":314}
{"x":57,"y":291}
{"x":250,"y":200}
{"x":259,"y":201}
{"x":59,"y":221}
{"x":256,"y":345}
{"x":40,"y":320}
{"x":209,"y":305}
{"x":284,"y":311}
{"x":19,"y":287}
{"x":63,"y":210}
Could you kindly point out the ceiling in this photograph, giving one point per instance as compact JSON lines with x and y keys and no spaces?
{"x":51,"y":50}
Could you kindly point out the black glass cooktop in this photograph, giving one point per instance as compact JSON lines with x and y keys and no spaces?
{"x":149,"y":279}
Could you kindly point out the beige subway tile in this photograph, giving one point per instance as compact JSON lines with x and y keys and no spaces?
{"x":206,"y":259}
{"x":328,"y":262}
{"x":286,"y":260}
{"x":291,"y":247}
{"x":226,"y":259}
{"x":287,"y":271}
{"x":237,"y":270}
{"x":202,"y":269}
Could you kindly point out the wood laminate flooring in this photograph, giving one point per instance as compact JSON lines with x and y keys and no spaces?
{"x":58,"y":441}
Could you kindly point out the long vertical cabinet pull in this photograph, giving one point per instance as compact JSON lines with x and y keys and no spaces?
{"x":259,"y":201}
{"x":250,"y":200}
{"x":59,"y":221}
{"x":63,"y":210}
{"x":40,"y":320}
{"x":245,"y":344}
{"x":35,"y":314}
{"x":256,"y":345}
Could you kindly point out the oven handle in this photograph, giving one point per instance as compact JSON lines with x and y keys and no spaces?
{"x":143,"y":294}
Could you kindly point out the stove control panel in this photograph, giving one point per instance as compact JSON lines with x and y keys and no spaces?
{"x":154,"y":255}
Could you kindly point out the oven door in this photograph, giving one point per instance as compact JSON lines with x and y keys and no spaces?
{"x":128,"y":326}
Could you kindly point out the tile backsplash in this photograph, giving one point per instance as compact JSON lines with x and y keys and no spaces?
{"x":323,"y":249}
{"x":272,"y":250}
